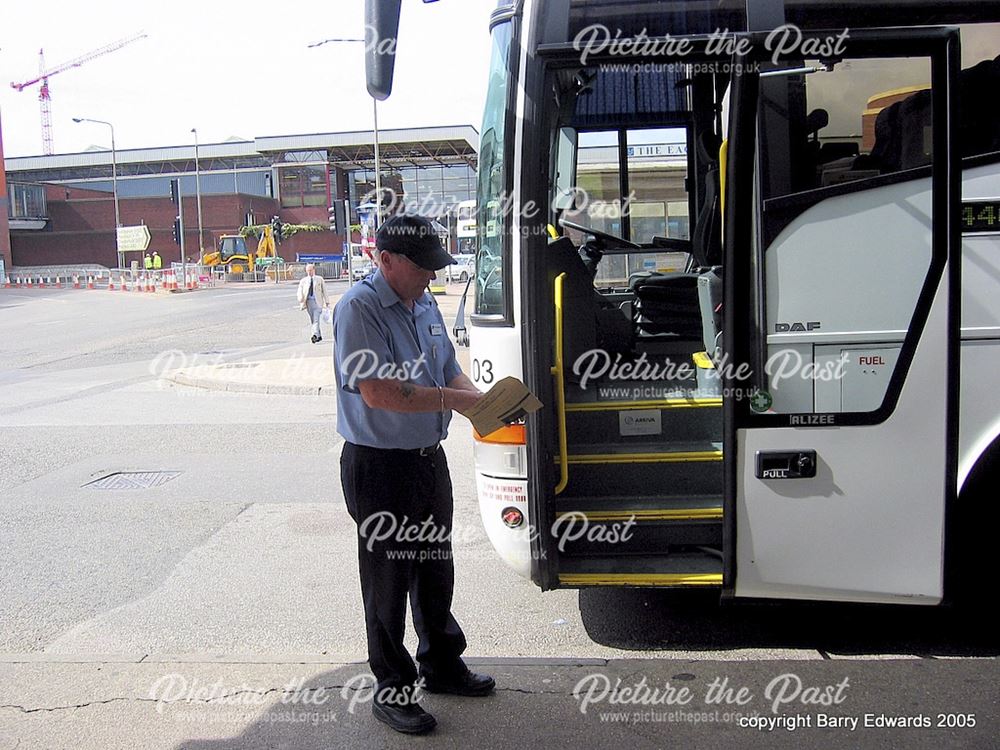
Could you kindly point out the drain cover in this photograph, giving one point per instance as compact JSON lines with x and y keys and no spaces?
{"x":133,"y":480}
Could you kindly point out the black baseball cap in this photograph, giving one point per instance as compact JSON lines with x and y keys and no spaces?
{"x":416,"y":238}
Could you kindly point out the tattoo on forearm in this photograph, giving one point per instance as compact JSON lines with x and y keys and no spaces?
{"x":406,"y":390}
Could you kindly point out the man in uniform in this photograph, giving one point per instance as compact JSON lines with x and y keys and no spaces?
{"x":397,"y":383}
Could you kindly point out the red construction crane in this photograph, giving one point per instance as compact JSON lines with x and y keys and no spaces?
{"x":44,"y":95}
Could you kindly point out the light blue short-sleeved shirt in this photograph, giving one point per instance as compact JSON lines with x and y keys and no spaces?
{"x":377,"y":337}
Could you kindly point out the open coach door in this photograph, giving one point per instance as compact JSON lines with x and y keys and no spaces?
{"x":841,"y":300}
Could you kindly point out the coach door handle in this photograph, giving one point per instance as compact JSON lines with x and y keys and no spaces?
{"x":786,"y":464}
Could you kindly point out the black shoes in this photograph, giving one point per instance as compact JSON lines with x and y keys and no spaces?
{"x":316,"y":339}
{"x":468,"y":684}
{"x":408,"y":719}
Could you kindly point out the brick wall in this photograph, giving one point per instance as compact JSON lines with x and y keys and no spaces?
{"x":4,"y":233}
{"x":81,"y":223}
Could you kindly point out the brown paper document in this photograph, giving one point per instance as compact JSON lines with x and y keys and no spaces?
{"x":507,"y":401}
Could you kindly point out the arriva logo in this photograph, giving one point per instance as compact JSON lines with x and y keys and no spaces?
{"x":640,"y":420}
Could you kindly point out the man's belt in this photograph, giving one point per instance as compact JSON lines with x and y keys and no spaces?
{"x":430,"y":450}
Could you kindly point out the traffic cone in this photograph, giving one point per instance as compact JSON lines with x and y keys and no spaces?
{"x":124,"y":281}
{"x":41,"y":284}
{"x":90,"y":282}
{"x":111,"y":283}
{"x":6,"y":282}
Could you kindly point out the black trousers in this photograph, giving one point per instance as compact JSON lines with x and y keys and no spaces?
{"x":402,"y":503}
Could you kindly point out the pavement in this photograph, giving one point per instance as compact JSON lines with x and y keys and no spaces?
{"x":205,"y":703}
{"x":285,"y":376}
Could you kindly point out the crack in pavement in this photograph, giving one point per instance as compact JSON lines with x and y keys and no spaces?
{"x":532,"y":692}
{"x":25,"y":710}
{"x":262,"y":694}
{"x":190,"y":699}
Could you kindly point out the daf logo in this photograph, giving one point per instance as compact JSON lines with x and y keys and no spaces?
{"x":812,"y":325}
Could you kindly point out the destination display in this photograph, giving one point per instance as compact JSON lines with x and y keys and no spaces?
{"x":981,"y":216}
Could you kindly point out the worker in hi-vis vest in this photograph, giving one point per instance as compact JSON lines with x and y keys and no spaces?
{"x":147,"y":263}
{"x":157,"y":261}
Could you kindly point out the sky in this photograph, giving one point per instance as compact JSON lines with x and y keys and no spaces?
{"x":232,"y":68}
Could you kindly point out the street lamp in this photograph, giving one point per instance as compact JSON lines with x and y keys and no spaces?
{"x":114,"y":181}
{"x":197,"y":187}
{"x":378,"y":161}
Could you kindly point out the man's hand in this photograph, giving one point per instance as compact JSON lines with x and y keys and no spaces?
{"x":462,"y":382}
{"x":461,"y":400}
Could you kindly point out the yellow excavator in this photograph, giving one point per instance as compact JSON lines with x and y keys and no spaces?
{"x":237,"y":258}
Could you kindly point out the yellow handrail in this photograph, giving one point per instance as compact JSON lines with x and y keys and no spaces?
{"x":557,"y":372}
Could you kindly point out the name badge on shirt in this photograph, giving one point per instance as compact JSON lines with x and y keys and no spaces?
{"x":436,"y":329}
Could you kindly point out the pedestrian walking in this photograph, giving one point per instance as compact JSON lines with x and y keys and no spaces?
{"x":312,"y":298}
{"x":397,"y":384}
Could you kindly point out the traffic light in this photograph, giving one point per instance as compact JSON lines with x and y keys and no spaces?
{"x":177,"y":230}
{"x":276,"y":228}
{"x":175,"y":191}
{"x":338,"y":217}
